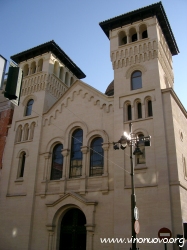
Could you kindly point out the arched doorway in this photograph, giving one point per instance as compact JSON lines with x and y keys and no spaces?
{"x":73,"y":231}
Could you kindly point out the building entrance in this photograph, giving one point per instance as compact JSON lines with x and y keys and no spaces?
{"x":73,"y":231}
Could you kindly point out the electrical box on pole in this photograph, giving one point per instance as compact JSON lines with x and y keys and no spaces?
{"x":13,"y":85}
{"x":3,"y":63}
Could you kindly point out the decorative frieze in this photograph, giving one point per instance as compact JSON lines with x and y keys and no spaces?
{"x":104,"y":104}
{"x":130,"y":54}
{"x":43,"y":81}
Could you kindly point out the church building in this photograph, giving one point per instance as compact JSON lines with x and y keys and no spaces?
{"x":63,"y":185}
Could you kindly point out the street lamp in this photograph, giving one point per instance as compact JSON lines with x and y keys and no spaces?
{"x":131,"y":140}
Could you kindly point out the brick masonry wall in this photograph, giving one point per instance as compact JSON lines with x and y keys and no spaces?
{"x":5,"y":120}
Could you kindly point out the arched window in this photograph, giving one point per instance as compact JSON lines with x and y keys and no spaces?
{"x":40,"y":65}
{"x":140,"y":159}
{"x":149,"y":108}
{"x":21,"y":164}
{"x":76,"y":154}
{"x":57,"y":162}
{"x":133,"y":34}
{"x":26,"y":70}
{"x":122,"y":38}
{"x":29,"y":107}
{"x":129,"y":112}
{"x":143,"y":31}
{"x":136,"y":80}
{"x":19,"y":134}
{"x":33,"y":67}
{"x":139,"y":110}
{"x":96,"y":157}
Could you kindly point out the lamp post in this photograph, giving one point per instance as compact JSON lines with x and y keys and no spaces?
{"x":131,"y":140}
{"x":133,"y":196}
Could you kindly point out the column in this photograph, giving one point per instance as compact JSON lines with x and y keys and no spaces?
{"x":82,"y":190}
{"x":133,"y":112}
{"x":46,"y":176}
{"x":105,"y":172}
{"x":138,"y":34}
{"x":105,"y":147}
{"x":36,"y":67}
{"x":90,"y":235}
{"x":46,"y":171}
{"x":29,"y":65}
{"x":65,"y":153}
{"x":84,"y":150}
{"x":22,"y":134}
{"x":143,"y":111}
{"x":128,"y":38}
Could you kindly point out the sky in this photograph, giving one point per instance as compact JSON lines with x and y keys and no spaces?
{"x":74,"y":26}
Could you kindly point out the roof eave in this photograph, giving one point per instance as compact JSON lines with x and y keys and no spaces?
{"x":141,"y":14}
{"x":55,"y":49}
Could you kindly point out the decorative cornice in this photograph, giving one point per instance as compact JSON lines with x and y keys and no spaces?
{"x":75,"y":196}
{"x":142,"y":186}
{"x":178,"y":183}
{"x":15,"y":194}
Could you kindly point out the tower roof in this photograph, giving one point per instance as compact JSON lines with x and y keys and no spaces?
{"x":56,"y":50}
{"x":149,"y":11}
{"x":110,"y":89}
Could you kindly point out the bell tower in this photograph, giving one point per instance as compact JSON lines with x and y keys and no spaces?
{"x":141,"y":46}
{"x":47,"y":73}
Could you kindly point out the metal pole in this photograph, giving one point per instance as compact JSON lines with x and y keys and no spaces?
{"x":165,"y":246}
{"x":133,"y":196}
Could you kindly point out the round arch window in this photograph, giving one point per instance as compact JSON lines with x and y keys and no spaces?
{"x":136,"y":80}
{"x":29,"y":107}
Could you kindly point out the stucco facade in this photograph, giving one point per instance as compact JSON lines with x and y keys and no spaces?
{"x":33,"y":205}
